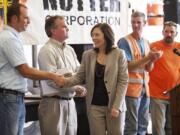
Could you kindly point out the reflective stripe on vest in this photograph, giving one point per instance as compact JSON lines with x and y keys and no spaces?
{"x":132,"y":80}
{"x":137,"y":76}
{"x":138,"y":71}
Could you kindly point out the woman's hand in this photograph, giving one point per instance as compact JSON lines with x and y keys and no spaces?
{"x":114,"y":112}
{"x":80,"y":90}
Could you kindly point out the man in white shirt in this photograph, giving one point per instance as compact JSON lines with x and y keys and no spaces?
{"x":57,"y":112}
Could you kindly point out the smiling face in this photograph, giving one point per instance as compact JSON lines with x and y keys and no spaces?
{"x":137,"y":24}
{"x":103,"y":38}
{"x":60,"y":31}
{"x":98,"y":38}
{"x":22,"y":20}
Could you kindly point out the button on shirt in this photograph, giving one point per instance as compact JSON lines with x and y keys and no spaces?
{"x":11,"y":55}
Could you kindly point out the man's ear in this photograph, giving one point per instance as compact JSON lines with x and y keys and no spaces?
{"x":176,"y":33}
{"x":14,"y":19}
{"x":145,"y":22}
{"x":53,"y":30}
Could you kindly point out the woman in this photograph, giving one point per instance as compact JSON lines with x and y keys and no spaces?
{"x":104,"y":71}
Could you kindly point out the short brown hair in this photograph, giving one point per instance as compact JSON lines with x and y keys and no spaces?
{"x":138,"y":14}
{"x":50,"y":23}
{"x":108,"y":35}
{"x":14,"y":9}
{"x":170,"y":23}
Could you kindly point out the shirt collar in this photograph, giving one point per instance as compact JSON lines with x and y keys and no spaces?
{"x":57,"y":43}
{"x":14,"y":31}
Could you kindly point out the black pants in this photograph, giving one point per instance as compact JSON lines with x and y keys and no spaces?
{"x":83,"y":125}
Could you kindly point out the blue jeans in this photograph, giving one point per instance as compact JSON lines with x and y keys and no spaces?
{"x":137,"y":115}
{"x":12,"y":114}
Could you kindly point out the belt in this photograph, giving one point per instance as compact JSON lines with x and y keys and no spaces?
{"x":10,"y":91}
{"x":58,"y":97}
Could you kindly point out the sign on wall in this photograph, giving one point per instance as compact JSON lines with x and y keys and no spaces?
{"x":80,"y":15}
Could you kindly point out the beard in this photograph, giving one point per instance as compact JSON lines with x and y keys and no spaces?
{"x":168,"y":40}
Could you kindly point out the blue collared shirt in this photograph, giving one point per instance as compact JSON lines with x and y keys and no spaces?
{"x":11,"y":55}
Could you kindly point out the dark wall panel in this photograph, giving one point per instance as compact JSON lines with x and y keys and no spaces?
{"x":172,"y":10}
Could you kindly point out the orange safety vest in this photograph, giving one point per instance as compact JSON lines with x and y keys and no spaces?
{"x":139,"y":76}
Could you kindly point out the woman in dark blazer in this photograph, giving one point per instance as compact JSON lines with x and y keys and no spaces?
{"x":104,"y":71}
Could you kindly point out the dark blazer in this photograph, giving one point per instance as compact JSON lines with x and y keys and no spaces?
{"x":115,"y":78}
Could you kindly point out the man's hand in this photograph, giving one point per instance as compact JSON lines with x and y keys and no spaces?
{"x":68,"y":74}
{"x":114,"y":112}
{"x":80,"y":90}
{"x":59,"y":80}
{"x":155,"y":55}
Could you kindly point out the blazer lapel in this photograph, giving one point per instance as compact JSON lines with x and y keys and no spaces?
{"x":93,"y":63}
{"x":108,"y":64}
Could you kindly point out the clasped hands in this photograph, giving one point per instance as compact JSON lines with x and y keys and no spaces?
{"x":155,"y":54}
{"x":60,"y":80}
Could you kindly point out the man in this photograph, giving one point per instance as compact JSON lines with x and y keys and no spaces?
{"x":13,"y":71}
{"x":57,"y":112}
{"x":164,"y":77}
{"x":140,"y":61}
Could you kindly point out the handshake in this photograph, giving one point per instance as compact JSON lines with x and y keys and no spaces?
{"x":60,"y":80}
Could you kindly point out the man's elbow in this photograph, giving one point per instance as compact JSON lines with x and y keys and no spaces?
{"x":24,"y":70}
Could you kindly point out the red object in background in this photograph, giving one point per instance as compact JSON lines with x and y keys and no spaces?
{"x":155,"y":14}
